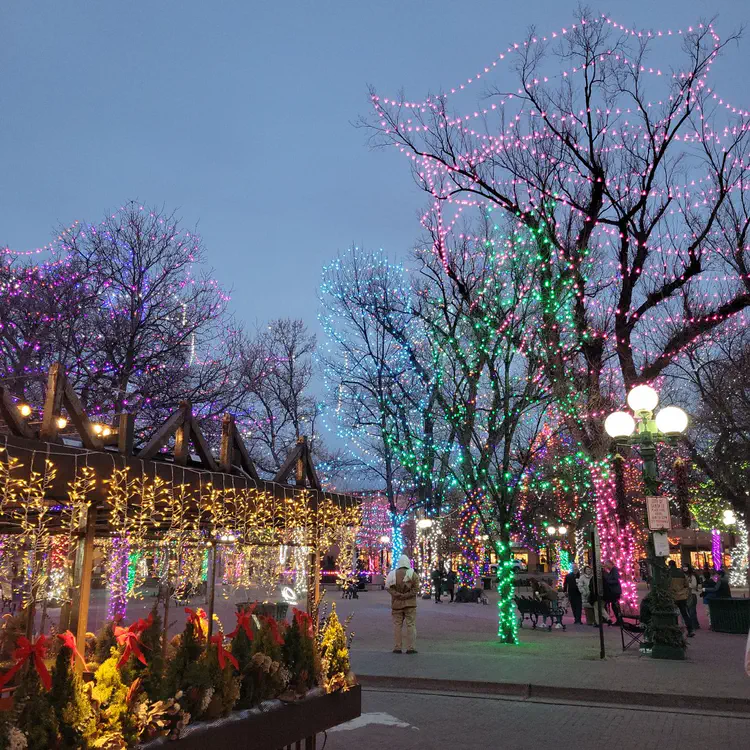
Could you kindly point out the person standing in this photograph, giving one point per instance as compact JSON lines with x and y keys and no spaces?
{"x":403,"y":584}
{"x":570,"y":587}
{"x":678,"y":583}
{"x":450,"y":582}
{"x":584,"y":585}
{"x":438,"y":575}
{"x":695,"y":591}
{"x":612,"y":589}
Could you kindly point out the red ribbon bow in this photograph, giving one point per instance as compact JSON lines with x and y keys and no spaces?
{"x":141,"y":625}
{"x":243,"y":623}
{"x":69,"y":640}
{"x":26,"y":650}
{"x":222,"y":653}
{"x":129,"y":636}
{"x":304,"y":622}
{"x":274,"y":628}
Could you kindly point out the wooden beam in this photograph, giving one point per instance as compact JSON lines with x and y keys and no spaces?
{"x":201,"y":448}
{"x":182,"y":436}
{"x":82,"y":571}
{"x":299,"y":468}
{"x":52,"y":403}
{"x":289,"y":464}
{"x":125,"y":434}
{"x":159,"y":440}
{"x":79,"y":418}
{"x":226,"y":455}
{"x":312,"y":475}
{"x":12,"y":417}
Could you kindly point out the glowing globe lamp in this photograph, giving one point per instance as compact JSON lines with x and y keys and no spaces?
{"x":671,"y":420}
{"x":643,"y":398}
{"x":619,"y":424}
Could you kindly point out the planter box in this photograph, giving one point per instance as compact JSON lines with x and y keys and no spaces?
{"x":730,"y":615}
{"x":270,"y":726}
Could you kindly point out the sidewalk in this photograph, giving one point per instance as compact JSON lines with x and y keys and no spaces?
{"x":456,"y":642}
{"x":458,"y":648}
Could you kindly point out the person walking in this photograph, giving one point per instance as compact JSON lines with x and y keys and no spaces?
{"x":612,"y":589}
{"x":438,"y":576}
{"x":570,"y":587}
{"x":678,"y":583}
{"x":585,"y":589}
{"x":695,"y":591}
{"x":403,"y":584}
{"x":450,"y":582}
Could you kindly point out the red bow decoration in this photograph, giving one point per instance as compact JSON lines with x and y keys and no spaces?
{"x":129,"y":636}
{"x":243,"y":623}
{"x":26,"y":650}
{"x":69,"y":640}
{"x":222,"y":653}
{"x":141,"y":625}
{"x":274,"y":628}
{"x":304,"y":622}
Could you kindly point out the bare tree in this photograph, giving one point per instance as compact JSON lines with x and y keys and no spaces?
{"x":380,"y":394}
{"x":276,"y":374}
{"x":632,"y":186}
{"x":719,"y":443}
{"x":158,"y":311}
{"x":44,"y":317}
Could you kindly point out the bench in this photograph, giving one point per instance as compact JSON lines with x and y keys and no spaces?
{"x":532,"y":609}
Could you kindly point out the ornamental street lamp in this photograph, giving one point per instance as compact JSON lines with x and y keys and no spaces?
{"x":644,"y":430}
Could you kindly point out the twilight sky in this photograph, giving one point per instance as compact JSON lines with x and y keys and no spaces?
{"x":238,"y":114}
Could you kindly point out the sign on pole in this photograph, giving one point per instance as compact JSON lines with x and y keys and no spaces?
{"x":661,"y":544}
{"x":659,"y":517}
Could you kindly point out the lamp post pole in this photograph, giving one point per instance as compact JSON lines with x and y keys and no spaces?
{"x":644,"y":432}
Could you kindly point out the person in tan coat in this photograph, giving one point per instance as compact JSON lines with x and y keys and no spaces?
{"x":403,"y":586}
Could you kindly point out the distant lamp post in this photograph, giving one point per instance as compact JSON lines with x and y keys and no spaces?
{"x":644,"y":430}
{"x":385,"y":540}
{"x":729,"y":518}
{"x":424,"y":523}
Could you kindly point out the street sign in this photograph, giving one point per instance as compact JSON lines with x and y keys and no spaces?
{"x":659,"y":518}
{"x":661,"y":544}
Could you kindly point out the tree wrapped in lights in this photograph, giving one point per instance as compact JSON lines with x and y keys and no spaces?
{"x":477,"y":305}
{"x":629,"y":180}
{"x":378,"y":368}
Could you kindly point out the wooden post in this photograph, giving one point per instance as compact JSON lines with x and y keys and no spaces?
{"x":226,"y":457}
{"x":299,"y":473}
{"x":82,"y":571}
{"x":167,"y":589}
{"x":182,"y":439}
{"x":52,"y":403}
{"x":125,"y":434}
{"x":211,"y":587}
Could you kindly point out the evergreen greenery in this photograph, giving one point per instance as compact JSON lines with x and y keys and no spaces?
{"x":71,"y":704}
{"x":34,"y":714}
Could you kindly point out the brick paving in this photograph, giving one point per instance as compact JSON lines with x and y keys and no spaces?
{"x":408,"y":721}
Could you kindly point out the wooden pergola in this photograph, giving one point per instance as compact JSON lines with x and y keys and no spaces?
{"x":233,"y":470}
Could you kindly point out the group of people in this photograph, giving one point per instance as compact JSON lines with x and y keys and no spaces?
{"x":687,"y":585}
{"x":443,"y":580}
{"x":583,"y":594}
